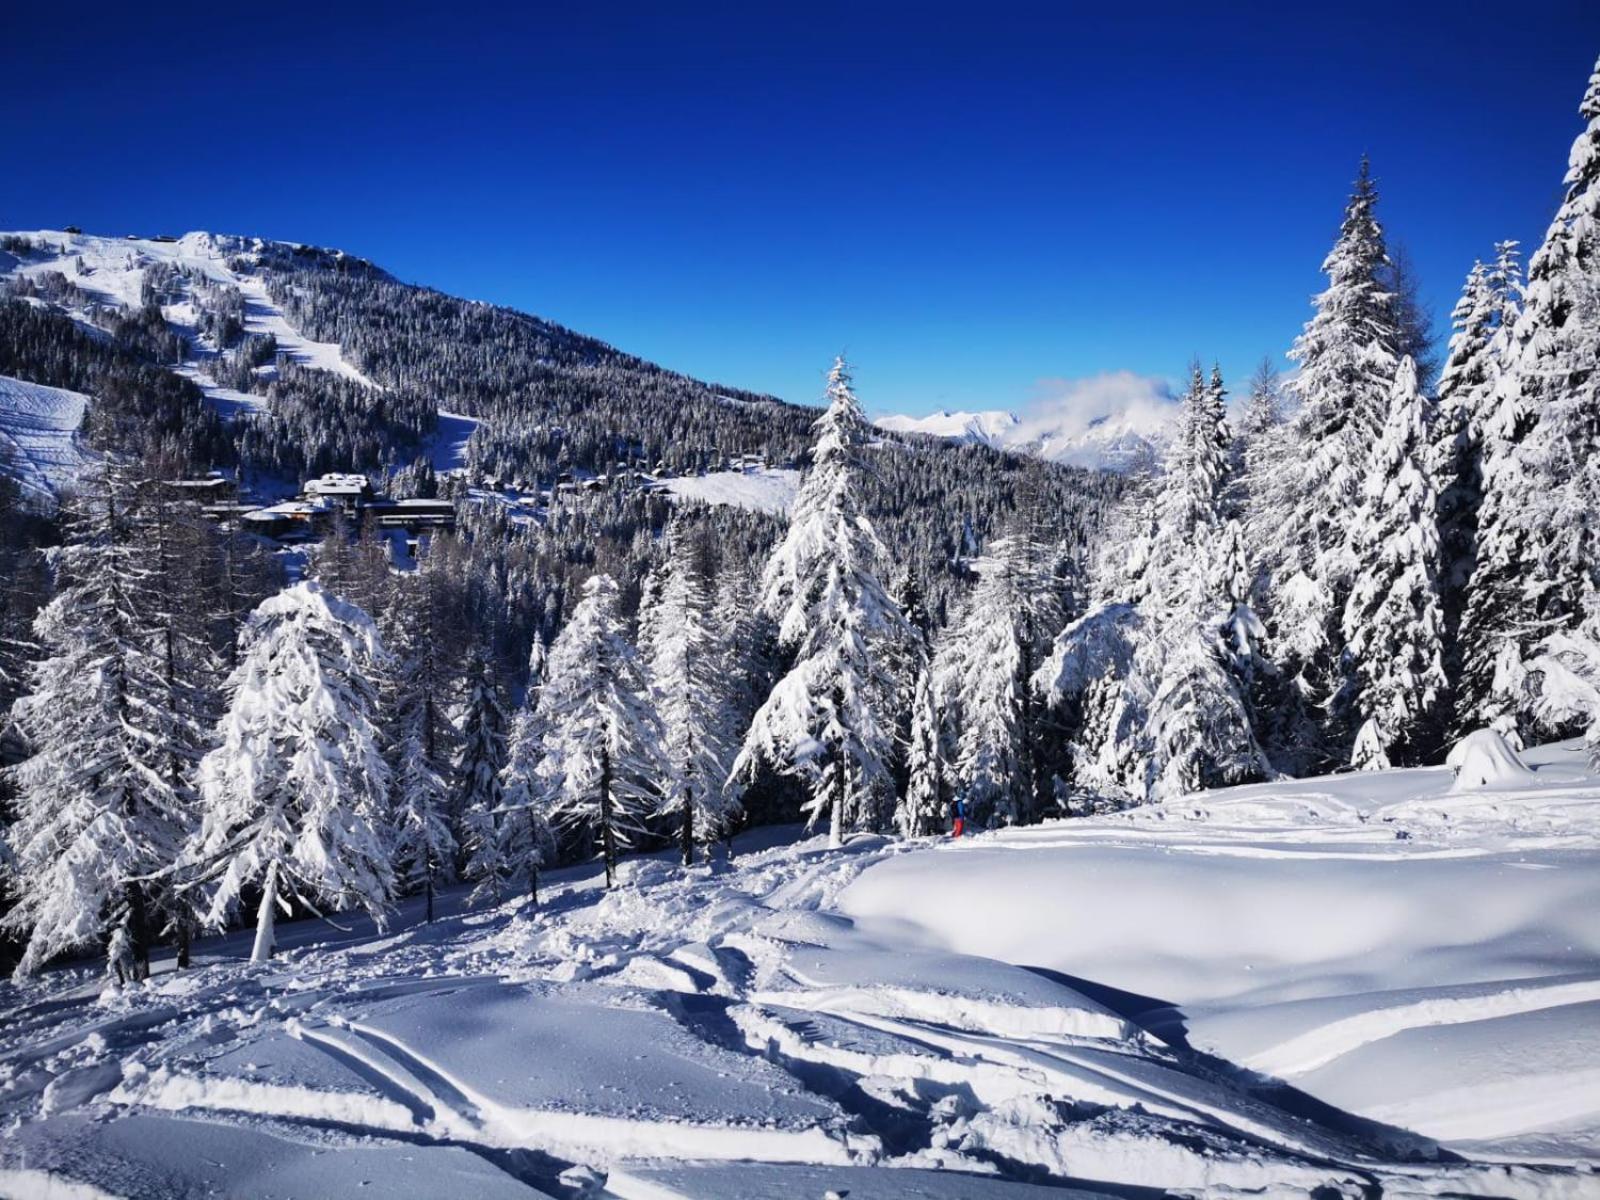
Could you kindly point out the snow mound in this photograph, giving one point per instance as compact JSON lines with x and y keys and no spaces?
{"x":1485,"y":759}
{"x":39,"y":437}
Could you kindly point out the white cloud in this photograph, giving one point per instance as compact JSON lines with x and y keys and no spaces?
{"x":1070,"y":407}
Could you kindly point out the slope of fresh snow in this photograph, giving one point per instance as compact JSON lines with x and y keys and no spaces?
{"x":765,"y":489}
{"x":1407,"y":953}
{"x":449,"y":452}
{"x":39,"y":436}
{"x":926,"y":1019}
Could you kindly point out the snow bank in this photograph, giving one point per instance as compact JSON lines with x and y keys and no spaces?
{"x":1485,"y":759}
{"x":1291,"y":929}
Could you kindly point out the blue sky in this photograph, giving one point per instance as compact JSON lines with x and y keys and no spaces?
{"x":973,"y":201}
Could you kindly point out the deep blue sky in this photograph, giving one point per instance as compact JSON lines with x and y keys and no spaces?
{"x":969,"y":199}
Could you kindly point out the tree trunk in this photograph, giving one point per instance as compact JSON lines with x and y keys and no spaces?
{"x":533,"y":859}
{"x":185,"y":941}
{"x":836,"y":816}
{"x":138,"y":932}
{"x":265,"y":918}
{"x":428,"y":888}
{"x":688,"y":826}
{"x":608,"y":835}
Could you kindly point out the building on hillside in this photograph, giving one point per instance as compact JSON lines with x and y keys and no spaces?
{"x":349,"y":492}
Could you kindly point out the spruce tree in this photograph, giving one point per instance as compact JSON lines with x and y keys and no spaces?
{"x":477,"y":774}
{"x":294,"y":794}
{"x":101,"y":804}
{"x":1347,"y":363}
{"x":830,"y":721}
{"x":921,"y":811}
{"x":1482,"y":321}
{"x":526,"y":839}
{"x":1537,"y":543}
{"x":685,"y":668}
{"x":1394,"y":629}
{"x":602,"y":769}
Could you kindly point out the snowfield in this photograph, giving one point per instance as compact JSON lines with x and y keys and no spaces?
{"x":1355,"y":983}
{"x":39,"y":436}
{"x":770,"y":489}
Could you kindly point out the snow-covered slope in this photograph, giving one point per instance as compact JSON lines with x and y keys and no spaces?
{"x":988,"y":428}
{"x":112,"y":272}
{"x":1115,"y":441}
{"x":39,"y":436}
{"x":927,"y":1019}
{"x":770,"y":489}
{"x":1413,"y":954}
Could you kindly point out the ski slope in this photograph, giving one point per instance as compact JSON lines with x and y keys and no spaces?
{"x":39,"y":437}
{"x":112,"y":272}
{"x":1264,"y":991}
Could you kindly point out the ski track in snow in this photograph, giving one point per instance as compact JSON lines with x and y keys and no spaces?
{"x":923,"y":1019}
{"x":39,"y":436}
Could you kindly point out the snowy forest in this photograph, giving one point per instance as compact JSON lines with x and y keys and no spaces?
{"x":1348,"y":567}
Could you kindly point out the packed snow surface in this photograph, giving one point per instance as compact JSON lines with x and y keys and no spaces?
{"x":765,"y":489}
{"x":39,"y":436}
{"x":1359,"y":984}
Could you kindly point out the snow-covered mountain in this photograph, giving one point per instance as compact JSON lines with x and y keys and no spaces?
{"x":1114,"y":441}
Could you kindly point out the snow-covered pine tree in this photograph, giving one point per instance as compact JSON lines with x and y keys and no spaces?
{"x":602,"y":768}
{"x":1198,"y":657}
{"x":1393,"y":626}
{"x":1537,"y":537}
{"x":921,"y":811}
{"x":1162,"y":668}
{"x":685,"y":668}
{"x":419,"y":799}
{"x":1347,"y":365}
{"x":294,"y":793}
{"x":980,"y":677}
{"x":1482,"y":319}
{"x":830,"y":721}
{"x":525,"y":835}
{"x":177,"y":546}
{"x":1156,"y":669}
{"x":101,"y":808}
{"x":1258,"y":439}
{"x":478,"y":796}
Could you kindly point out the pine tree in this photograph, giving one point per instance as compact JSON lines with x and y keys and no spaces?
{"x":294,"y":793}
{"x":424,"y":846}
{"x":1393,"y":625}
{"x":1347,"y":365}
{"x":101,"y":805}
{"x":1482,"y":320}
{"x":1162,"y":669}
{"x":685,"y":668}
{"x":1537,"y":546}
{"x":921,"y":811}
{"x":526,"y":838}
{"x":830,"y":721}
{"x":602,"y":768}
{"x":478,"y":794}
{"x":980,"y":675}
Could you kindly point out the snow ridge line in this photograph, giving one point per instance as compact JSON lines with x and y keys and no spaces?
{"x":587,"y":1137}
{"x":1320,"y":1046}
